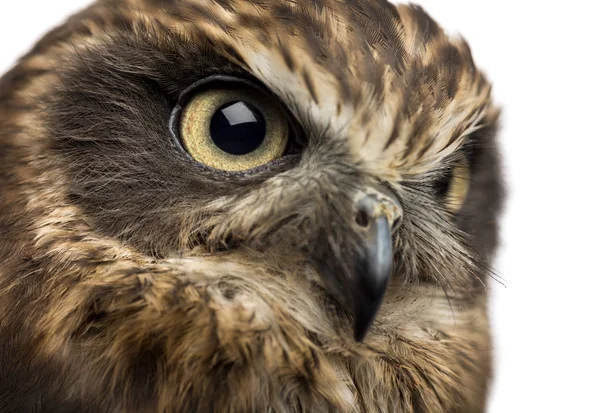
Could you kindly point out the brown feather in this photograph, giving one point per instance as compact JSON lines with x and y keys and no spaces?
{"x":131,"y":280}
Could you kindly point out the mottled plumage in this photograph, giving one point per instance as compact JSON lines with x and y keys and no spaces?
{"x":134,"y":280}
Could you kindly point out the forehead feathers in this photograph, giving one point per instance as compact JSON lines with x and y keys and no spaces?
{"x":385,"y":81}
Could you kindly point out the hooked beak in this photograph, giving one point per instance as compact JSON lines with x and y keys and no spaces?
{"x":377,"y":214}
{"x":373,"y":268}
{"x":360,"y":280}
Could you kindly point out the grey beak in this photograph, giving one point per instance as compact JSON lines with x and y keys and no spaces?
{"x":364,"y":256}
{"x":374,"y":268}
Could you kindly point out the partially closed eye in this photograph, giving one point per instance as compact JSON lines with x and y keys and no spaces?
{"x":453,"y":186}
{"x":233,"y":128}
{"x":458,"y":186}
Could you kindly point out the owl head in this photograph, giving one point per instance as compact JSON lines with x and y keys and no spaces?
{"x":321,"y":162}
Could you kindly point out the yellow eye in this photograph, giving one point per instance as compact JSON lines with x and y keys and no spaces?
{"x":233,"y":129}
{"x":458,"y":186}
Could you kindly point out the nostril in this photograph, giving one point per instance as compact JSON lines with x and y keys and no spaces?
{"x":362,"y":218}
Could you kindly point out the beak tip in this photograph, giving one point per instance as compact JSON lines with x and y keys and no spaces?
{"x":361,"y":327}
{"x":366,"y":307}
{"x":359,"y":334}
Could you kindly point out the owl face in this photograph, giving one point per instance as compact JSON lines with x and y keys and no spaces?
{"x":344,"y":136}
{"x":337,"y":151}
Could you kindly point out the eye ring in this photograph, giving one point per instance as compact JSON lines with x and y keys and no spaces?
{"x":290,"y":153}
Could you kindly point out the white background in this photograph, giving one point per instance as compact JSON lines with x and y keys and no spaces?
{"x":543,"y":60}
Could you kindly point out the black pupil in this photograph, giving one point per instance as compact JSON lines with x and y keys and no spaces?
{"x":238,"y":128}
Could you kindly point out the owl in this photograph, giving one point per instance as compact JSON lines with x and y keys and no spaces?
{"x":246,"y":206}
